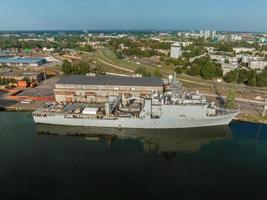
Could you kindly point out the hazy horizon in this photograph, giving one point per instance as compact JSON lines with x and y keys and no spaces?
{"x":56,"y":15}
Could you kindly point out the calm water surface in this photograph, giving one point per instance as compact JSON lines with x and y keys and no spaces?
{"x":222,"y":163}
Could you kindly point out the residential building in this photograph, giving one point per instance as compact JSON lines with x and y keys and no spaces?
{"x":258,"y":65}
{"x":214,"y":34}
{"x":202,"y":33}
{"x":243,"y":49}
{"x":207,"y":34}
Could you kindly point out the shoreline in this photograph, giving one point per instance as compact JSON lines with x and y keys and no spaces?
{"x":15,"y":109}
{"x":249,"y":121}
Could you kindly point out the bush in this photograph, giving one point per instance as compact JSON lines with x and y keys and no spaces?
{"x":230,"y":101}
{"x":79,"y":67}
{"x":179,"y":70}
{"x":142,"y":70}
{"x":157,"y":73}
{"x":194,"y":70}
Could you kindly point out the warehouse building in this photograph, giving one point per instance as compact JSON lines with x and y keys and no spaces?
{"x":18,"y":76}
{"x":96,"y":89}
{"x":20,"y":62}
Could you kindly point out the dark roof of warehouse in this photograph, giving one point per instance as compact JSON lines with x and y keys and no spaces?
{"x":110,"y":80}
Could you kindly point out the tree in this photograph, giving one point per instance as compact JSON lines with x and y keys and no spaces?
{"x":179,"y":70}
{"x":119,"y":55}
{"x":87,"y":48}
{"x":194,"y":70}
{"x":66,"y":67}
{"x":262,"y":79}
{"x":218,"y":71}
{"x":252,"y":82}
{"x":206,"y":68}
{"x":157,"y":73}
{"x":249,"y":77}
{"x":230,"y":101}
{"x":78,"y":67}
{"x":208,"y":71}
{"x":142,"y":70}
{"x":231,"y":76}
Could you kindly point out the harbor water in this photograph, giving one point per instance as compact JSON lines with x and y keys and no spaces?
{"x":49,"y":162}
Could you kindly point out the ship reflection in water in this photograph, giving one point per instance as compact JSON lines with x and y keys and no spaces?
{"x":164,"y":142}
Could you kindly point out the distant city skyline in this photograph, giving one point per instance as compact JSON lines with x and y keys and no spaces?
{"x":227,"y":15}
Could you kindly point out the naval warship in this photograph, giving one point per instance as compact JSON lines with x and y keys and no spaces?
{"x":175,"y":108}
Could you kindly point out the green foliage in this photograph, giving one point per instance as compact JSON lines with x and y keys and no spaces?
{"x":142,"y":70}
{"x":66,"y":67}
{"x":114,"y":43}
{"x":134,"y":51}
{"x":194,"y":70}
{"x":232,"y":76}
{"x":79,"y":67}
{"x":141,"y":42}
{"x":157,"y":73}
{"x":205,"y":68}
{"x":179,"y":70}
{"x":252,"y":81}
{"x":158,"y":45}
{"x":262,"y":78}
{"x":86,"y":48}
{"x":61,"y":42}
{"x":119,"y":55}
{"x":134,"y":46}
{"x":176,"y":62}
{"x":6,"y":81}
{"x":227,"y":47}
{"x":69,"y":42}
{"x":193,"y":51}
{"x":207,"y":71}
{"x":249,"y":77}
{"x":218,"y":70}
{"x":26,"y":79}
{"x":13,"y":42}
{"x":230,"y":101}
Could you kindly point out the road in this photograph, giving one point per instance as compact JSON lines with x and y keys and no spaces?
{"x":116,"y":66}
{"x":237,"y":99}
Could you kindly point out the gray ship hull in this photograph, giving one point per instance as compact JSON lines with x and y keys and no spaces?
{"x":138,"y":123}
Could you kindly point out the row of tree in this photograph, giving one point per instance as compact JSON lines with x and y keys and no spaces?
{"x":145,"y":72}
{"x":141,"y":42}
{"x":138,"y":52}
{"x":79,"y":67}
{"x":60,"y":43}
{"x":248,"y":77}
{"x":193,"y":51}
{"x":7,"y":43}
{"x":203,"y":67}
{"x":6,"y":81}
{"x":86,"y":48}
{"x":83,"y":67}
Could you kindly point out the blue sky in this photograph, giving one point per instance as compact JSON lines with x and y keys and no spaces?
{"x":229,"y":15}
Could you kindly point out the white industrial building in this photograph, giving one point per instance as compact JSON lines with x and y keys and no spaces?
{"x":176,"y":50}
